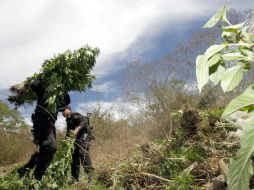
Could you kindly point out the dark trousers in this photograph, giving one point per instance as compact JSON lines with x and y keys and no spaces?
{"x":81,"y":155}
{"x":41,"y":159}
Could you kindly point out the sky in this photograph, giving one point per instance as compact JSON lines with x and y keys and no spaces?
{"x":124,"y":31}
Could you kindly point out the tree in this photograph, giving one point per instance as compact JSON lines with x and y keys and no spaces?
{"x":10,"y":119}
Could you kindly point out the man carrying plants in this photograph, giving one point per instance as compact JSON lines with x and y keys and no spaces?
{"x":44,"y":133}
{"x":65,"y":72}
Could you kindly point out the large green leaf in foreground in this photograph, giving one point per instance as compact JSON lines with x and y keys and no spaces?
{"x":219,"y":16}
{"x":232,"y":77}
{"x":202,"y":71}
{"x":241,"y":169}
{"x":243,"y":100}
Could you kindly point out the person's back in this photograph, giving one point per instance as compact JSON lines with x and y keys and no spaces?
{"x":39,"y":90}
{"x":36,"y":86}
{"x":43,"y":119}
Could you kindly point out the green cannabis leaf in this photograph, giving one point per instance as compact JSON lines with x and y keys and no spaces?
{"x":236,"y":49}
{"x":69,"y":71}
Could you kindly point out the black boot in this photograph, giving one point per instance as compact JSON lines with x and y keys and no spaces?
{"x":22,"y":171}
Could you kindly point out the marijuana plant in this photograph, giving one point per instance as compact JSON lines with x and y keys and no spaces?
{"x":63,"y":73}
{"x":227,"y":63}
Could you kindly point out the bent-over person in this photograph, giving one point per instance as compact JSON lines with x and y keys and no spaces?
{"x":80,"y":126}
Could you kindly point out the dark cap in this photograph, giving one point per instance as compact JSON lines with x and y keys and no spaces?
{"x":64,"y":108}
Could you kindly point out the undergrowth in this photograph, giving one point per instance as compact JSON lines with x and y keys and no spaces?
{"x":197,"y":138}
{"x":57,"y":175}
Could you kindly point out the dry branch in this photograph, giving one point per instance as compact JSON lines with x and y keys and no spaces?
{"x":191,"y":167}
{"x":224,"y":168}
{"x":155,"y":176}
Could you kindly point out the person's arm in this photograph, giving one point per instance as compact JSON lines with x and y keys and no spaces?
{"x":36,"y":86}
{"x":67,"y":133}
{"x":83,"y":125}
{"x":68,"y":128}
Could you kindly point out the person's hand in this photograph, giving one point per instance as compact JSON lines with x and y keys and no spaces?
{"x":76,"y":131}
{"x":71,"y":134}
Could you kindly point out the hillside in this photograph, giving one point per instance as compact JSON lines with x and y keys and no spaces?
{"x":188,"y":158}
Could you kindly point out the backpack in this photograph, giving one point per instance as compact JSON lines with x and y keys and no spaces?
{"x":88,"y":115}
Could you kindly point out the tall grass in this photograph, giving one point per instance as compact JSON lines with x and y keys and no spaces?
{"x":15,"y":147}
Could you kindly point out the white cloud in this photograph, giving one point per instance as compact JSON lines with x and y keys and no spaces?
{"x":119,"y":108}
{"x":34,"y":30}
{"x":105,"y":87}
{"x":4,"y":94}
{"x":61,"y":122}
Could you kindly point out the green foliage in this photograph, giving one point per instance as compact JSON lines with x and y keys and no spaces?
{"x":219,"y":16}
{"x":63,"y":73}
{"x":232,"y":59}
{"x":57,"y":175}
{"x":236,"y":47}
{"x":232,"y":77}
{"x":202,"y":71}
{"x":183,"y":181}
{"x":244,"y":100}
{"x":193,"y":153}
{"x":10,"y":119}
{"x":241,"y":168}
{"x":213,"y":113}
{"x":13,"y":131}
{"x":167,"y":158}
{"x":97,"y":187}
{"x":11,"y":181}
{"x":162,"y":158}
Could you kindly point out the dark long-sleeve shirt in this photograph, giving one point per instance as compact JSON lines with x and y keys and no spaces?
{"x":75,"y":120}
{"x":36,"y":86}
{"x":39,"y":90}
{"x":44,"y":120}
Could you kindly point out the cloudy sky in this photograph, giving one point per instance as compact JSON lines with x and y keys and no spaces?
{"x":124,"y":31}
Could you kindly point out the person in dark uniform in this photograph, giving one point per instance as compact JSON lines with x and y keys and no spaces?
{"x":44,"y":132}
{"x":80,"y":126}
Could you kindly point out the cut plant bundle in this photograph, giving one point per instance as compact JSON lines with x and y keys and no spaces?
{"x":68,"y":71}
